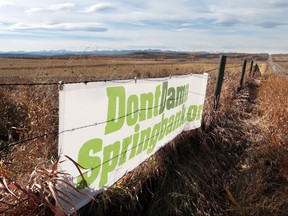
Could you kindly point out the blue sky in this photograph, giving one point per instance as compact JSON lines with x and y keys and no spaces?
{"x":180,"y":25}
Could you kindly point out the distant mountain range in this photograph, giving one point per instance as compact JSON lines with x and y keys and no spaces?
{"x":67,"y":52}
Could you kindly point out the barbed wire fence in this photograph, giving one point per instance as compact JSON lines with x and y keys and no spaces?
{"x":34,"y":83}
{"x":95,"y":124}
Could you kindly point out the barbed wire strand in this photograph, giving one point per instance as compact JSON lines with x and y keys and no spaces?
{"x":34,"y":83}
{"x":99,"y":123}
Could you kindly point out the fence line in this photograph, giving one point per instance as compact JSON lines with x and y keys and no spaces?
{"x":9,"y":145}
{"x":98,"y":80}
{"x":220,"y":77}
{"x":98,"y":123}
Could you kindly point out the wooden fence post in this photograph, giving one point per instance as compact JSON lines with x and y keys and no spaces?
{"x":219,"y":81}
{"x":243,"y":73}
{"x":251,"y":68}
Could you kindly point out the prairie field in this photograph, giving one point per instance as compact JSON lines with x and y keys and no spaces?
{"x":235,"y":164}
{"x":105,"y":67}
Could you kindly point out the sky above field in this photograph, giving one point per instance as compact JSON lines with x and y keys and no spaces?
{"x":179,"y":25}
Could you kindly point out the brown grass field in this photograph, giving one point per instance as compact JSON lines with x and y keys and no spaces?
{"x":235,"y":164}
{"x":105,"y":67}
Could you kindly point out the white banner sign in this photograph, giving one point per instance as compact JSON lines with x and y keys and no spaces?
{"x":109,"y":128}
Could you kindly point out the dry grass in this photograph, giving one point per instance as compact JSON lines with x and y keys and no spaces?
{"x":105,"y":67}
{"x":281,"y":59}
{"x":234,"y":164}
{"x":258,"y":184}
{"x":261,"y":182}
{"x":98,"y":67}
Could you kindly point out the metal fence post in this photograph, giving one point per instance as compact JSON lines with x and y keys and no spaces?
{"x":219,"y":81}
{"x":251,"y":68}
{"x":243,"y":73}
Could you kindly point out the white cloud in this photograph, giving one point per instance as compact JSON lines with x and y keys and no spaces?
{"x":243,"y":17}
{"x":33,"y":10}
{"x":186,"y":24}
{"x":278,"y":3}
{"x":98,"y":8}
{"x":5,"y":3}
{"x":55,"y":7}
{"x":93,"y":27}
{"x":64,"y":6}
